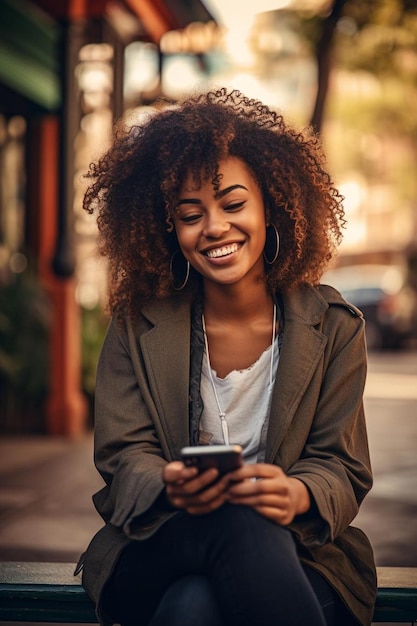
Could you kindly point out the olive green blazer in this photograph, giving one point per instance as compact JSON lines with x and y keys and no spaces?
{"x":316,"y":432}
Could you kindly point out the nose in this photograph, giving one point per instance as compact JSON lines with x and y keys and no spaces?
{"x":216,"y":224}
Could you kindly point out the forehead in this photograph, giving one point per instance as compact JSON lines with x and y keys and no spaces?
{"x":230,"y":171}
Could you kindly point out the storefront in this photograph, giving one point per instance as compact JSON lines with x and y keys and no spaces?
{"x":61,"y":88}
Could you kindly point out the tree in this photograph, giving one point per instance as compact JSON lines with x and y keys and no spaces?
{"x":377,"y":36}
{"x":324,"y":48}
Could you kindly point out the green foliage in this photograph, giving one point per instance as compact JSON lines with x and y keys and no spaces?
{"x":93,"y":329}
{"x":24,"y":326}
{"x":374,"y":52}
{"x":378,"y":138}
{"x":379,"y":36}
{"x":24,"y":352}
{"x":386,"y":109}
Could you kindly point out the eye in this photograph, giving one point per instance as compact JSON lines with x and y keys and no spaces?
{"x":190,"y":219}
{"x":235,"y":206}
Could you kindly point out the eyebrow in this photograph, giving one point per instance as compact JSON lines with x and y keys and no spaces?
{"x":219,"y":195}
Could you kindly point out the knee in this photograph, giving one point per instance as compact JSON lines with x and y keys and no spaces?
{"x":188,"y":601}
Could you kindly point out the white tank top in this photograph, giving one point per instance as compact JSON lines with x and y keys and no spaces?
{"x":245,"y":396}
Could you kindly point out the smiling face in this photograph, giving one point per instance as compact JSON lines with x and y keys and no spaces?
{"x":222,"y":233}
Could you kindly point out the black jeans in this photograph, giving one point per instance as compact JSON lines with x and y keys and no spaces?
{"x":231,"y":567}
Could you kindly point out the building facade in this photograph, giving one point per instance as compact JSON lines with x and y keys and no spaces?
{"x":62,"y":67}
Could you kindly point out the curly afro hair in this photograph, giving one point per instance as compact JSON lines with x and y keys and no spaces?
{"x":135,"y":187}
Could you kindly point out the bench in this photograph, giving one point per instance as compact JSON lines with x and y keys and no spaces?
{"x":48,"y":592}
{"x":43,"y":592}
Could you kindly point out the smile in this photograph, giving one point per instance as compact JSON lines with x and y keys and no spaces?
{"x":223,"y":251}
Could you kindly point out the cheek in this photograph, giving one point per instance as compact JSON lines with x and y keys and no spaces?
{"x":184,"y":238}
{"x":258,"y":229}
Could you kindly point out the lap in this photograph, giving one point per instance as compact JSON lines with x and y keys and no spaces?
{"x":230,"y":552}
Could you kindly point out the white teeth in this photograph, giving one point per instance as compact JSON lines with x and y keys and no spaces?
{"x":224,"y":251}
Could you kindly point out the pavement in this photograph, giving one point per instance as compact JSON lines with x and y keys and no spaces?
{"x":46,"y":511}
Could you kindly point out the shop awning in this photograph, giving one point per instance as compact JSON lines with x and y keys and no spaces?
{"x":29,"y":39}
{"x":28,"y":53}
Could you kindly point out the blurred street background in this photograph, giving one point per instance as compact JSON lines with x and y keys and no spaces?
{"x":68,"y":72}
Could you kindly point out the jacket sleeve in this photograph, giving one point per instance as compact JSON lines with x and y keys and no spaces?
{"x":127,"y":451}
{"x":335,"y":464}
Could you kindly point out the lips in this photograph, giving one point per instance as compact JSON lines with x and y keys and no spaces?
{"x":216,"y":253}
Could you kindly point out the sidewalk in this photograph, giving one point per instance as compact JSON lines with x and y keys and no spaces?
{"x":46,"y":512}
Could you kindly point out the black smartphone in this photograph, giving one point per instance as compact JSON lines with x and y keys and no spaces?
{"x":224,"y":457}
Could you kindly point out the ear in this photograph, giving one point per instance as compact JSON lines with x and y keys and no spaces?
{"x":170,"y":227}
{"x":267,"y":216}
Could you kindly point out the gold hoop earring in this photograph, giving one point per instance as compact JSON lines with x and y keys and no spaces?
{"x":172,"y":262}
{"x":271,"y":242}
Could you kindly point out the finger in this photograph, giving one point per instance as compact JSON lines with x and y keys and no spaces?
{"x":196,"y":483}
{"x":279,"y":516}
{"x":248,"y":487}
{"x":267,"y":500}
{"x":256,"y":470}
{"x":203,"y":501}
{"x":209,"y":507}
{"x":198,"y":492}
{"x":283,"y":518}
{"x":177,"y":472}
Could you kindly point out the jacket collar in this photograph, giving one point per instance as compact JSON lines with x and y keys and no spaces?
{"x":167,"y":309}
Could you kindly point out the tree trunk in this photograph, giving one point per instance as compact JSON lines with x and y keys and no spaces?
{"x":324,"y":63}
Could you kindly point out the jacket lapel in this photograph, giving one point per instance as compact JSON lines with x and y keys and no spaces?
{"x":301,"y":350}
{"x":166,"y":354}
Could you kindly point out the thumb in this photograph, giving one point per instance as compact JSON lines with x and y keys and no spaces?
{"x":173,"y":471}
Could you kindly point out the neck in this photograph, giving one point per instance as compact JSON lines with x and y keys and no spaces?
{"x":232,"y":302}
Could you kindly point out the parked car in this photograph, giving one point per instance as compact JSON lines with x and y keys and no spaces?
{"x":387,"y":301}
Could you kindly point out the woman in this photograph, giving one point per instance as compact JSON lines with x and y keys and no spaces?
{"x":218,"y":220}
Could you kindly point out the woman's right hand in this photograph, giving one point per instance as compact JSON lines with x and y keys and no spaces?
{"x":193,"y":492}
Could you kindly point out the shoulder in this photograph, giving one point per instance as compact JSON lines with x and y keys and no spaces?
{"x":335,"y":299}
{"x":154,"y":313}
{"x":324,"y":310}
{"x":313,"y":303}
{"x":342,"y":320}
{"x":165,"y":310}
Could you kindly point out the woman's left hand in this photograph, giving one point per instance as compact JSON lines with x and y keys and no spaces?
{"x":273,"y":494}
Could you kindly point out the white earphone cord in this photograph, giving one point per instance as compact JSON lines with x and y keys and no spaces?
{"x":222,"y":414}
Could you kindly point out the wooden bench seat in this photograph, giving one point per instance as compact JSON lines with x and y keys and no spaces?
{"x":48,"y":592}
{"x":397,"y":595}
{"x":43,"y":592}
